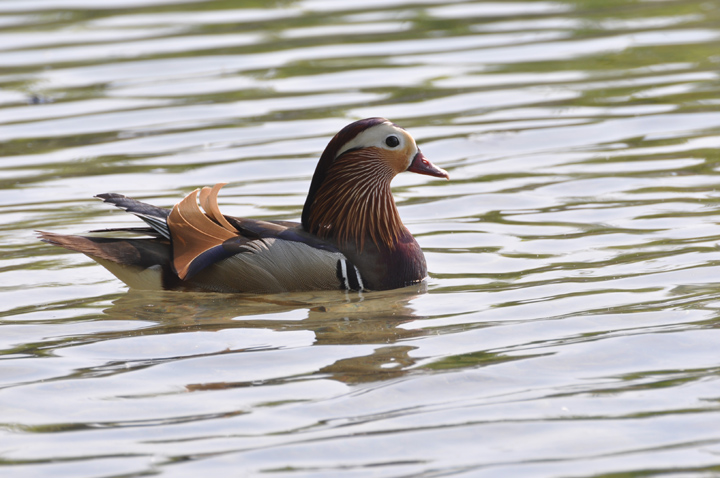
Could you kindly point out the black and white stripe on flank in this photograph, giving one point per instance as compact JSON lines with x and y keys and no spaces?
{"x":349,"y":276}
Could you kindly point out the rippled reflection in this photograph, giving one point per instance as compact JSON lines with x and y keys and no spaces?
{"x":568,"y":325}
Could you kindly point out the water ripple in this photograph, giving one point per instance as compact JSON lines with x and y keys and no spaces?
{"x":568,"y":324}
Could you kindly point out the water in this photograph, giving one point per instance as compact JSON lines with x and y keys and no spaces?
{"x":570,"y":325}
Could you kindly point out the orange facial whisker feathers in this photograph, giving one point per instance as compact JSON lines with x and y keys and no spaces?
{"x":356,"y":202}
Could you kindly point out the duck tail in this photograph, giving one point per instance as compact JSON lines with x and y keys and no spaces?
{"x":155,"y":217}
{"x":140,"y":263}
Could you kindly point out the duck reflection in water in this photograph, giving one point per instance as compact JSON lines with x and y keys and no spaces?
{"x":335,"y":318}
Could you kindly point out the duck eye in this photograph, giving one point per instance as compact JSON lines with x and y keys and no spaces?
{"x":392,"y":141}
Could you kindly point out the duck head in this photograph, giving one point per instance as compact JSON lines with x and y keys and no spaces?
{"x":350,"y":197}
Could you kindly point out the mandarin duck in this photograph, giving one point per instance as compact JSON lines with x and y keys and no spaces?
{"x":350,"y":238}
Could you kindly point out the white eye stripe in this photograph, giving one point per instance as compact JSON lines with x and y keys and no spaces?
{"x":376,"y":136}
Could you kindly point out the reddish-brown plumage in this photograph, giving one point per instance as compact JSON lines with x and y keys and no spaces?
{"x":351,"y":235}
{"x":355,"y":202}
{"x":350,"y":204}
{"x":328,"y":158}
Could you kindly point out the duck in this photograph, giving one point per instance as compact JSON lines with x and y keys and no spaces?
{"x":350,"y":236}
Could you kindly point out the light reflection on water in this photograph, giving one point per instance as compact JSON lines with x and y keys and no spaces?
{"x":568,"y":326}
